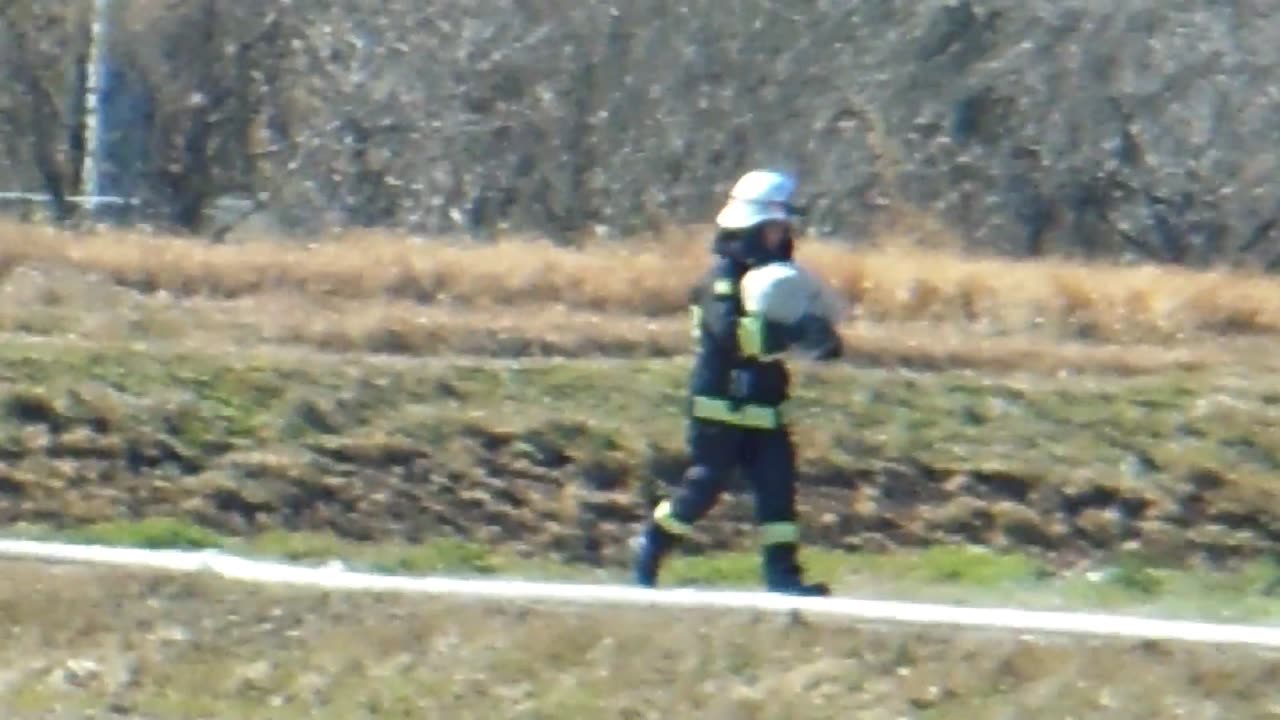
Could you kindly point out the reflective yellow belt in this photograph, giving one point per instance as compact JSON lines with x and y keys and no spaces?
{"x":762,"y":417}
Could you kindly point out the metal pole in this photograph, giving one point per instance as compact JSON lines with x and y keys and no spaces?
{"x":99,"y":46}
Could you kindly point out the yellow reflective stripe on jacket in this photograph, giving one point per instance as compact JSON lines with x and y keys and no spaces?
{"x":751,"y":335}
{"x":695,"y":321}
{"x":762,"y":417}
{"x":723,"y":288}
{"x":779,"y":533}
{"x":752,"y":340}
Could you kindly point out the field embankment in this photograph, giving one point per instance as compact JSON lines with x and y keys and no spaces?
{"x":272,"y":386}
{"x":563,"y":455}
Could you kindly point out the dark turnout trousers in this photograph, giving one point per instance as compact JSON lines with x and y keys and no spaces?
{"x":767,"y":459}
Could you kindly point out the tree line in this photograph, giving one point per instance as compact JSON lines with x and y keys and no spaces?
{"x":1023,"y":127}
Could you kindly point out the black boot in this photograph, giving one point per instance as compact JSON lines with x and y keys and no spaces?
{"x":782,"y":573}
{"x":651,"y":548}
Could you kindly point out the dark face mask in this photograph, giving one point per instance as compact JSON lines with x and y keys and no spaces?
{"x":781,"y":251}
{"x":785,"y":248}
{"x":749,"y":247}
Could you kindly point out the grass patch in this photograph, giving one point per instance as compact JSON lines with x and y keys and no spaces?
{"x":980,"y":577}
{"x":1032,"y":423}
{"x":152,"y":534}
{"x":942,"y":566}
{"x":964,"y":565}
{"x":965,"y":575}
{"x":559,"y":457}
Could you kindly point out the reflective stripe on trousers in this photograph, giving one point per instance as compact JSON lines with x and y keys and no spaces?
{"x":773,"y":533}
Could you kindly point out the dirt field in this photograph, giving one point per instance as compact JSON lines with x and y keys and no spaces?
{"x":79,"y":642}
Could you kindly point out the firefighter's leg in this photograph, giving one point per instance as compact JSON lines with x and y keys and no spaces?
{"x":772,"y":471}
{"x":712,"y":450}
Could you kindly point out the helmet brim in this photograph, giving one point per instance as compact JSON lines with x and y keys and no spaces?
{"x":742,"y":214}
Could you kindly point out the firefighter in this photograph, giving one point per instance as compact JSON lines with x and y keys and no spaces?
{"x":752,"y":306}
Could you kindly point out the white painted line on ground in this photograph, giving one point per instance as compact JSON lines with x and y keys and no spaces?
{"x":270,"y":573}
{"x":104,"y":199}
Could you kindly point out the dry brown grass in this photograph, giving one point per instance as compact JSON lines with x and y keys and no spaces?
{"x":523,"y":297}
{"x":68,"y":304}
{"x":79,"y":640}
{"x":887,"y":284}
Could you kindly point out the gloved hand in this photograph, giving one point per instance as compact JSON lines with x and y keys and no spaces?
{"x":814,"y":336}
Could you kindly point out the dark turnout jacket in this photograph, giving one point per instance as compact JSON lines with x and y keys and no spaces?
{"x":738,"y":375}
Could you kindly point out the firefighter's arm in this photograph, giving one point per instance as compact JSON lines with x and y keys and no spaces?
{"x":786,"y":310}
{"x":816,"y":337}
{"x":716,"y":309}
{"x":760,"y":336}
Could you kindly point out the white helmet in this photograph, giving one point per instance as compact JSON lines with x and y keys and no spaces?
{"x":757,"y":197}
{"x":784,"y":292}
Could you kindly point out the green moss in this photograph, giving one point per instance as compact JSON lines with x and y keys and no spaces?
{"x":299,"y":545}
{"x":440,"y":556}
{"x":968,"y":565}
{"x":151,"y":533}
